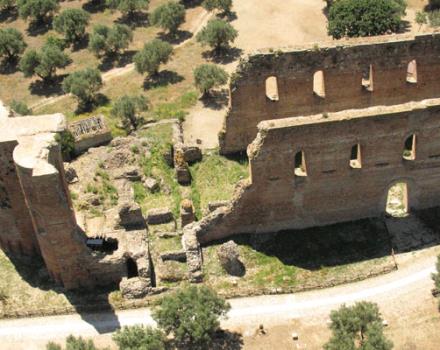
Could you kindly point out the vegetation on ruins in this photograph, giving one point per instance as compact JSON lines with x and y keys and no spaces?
{"x":12,"y":44}
{"x":20,"y":107}
{"x":139,"y":337}
{"x":66,"y":141}
{"x":221,"y":5}
{"x":127,"y":108}
{"x":37,"y":10}
{"x":168,"y":16}
{"x":217,"y":34}
{"x":191,"y":314}
{"x":355,"y":18}
{"x":107,"y":41}
{"x":357,"y":327}
{"x":128,"y":7}
{"x":72,"y":24}
{"x":153,"y":54}
{"x":44,"y":62}
{"x":84,"y":85}
{"x":209,"y":76}
{"x":73,"y":343}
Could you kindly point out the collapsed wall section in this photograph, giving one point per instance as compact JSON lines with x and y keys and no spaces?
{"x":357,"y":73}
{"x":304,"y":173}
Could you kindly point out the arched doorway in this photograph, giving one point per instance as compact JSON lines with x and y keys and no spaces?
{"x":397,"y":204}
{"x":132,"y":269}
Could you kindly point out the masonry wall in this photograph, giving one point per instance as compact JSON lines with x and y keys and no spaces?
{"x":344,"y":64}
{"x":275,"y":198}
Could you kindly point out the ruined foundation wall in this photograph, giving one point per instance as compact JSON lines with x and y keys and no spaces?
{"x":344,"y":64}
{"x":275,"y":198}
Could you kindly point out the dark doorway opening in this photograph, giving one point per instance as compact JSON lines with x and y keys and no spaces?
{"x":132,"y":269}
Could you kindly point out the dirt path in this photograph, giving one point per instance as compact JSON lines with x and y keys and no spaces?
{"x":194,"y":26}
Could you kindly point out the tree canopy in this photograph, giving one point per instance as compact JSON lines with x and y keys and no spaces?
{"x":110,"y":40}
{"x":72,"y":23}
{"x":44,"y":62}
{"x":168,"y":16}
{"x":73,"y":343}
{"x":6,"y":5}
{"x":208,"y":76}
{"x":221,"y":5}
{"x":11,"y":44}
{"x":127,"y":108}
{"x":152,"y":55}
{"x":84,"y":85}
{"x":37,"y":10}
{"x":128,"y":7}
{"x":191,"y":314}
{"x":217,"y":34}
{"x":355,"y":18}
{"x":139,"y":338}
{"x":357,"y":327}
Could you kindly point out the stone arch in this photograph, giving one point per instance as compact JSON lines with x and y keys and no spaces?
{"x":411,"y":195}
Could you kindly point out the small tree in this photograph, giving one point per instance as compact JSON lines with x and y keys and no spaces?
{"x":84,"y":85}
{"x":169,"y":16}
{"x":72,"y":23}
{"x":127,"y":108}
{"x":45,"y":62}
{"x":421,"y":18}
{"x":139,"y":338}
{"x":209,"y":76}
{"x":357,"y":327}
{"x":110,"y":41}
{"x":128,"y":7}
{"x":217,"y":34}
{"x":38,"y":10}
{"x":66,"y":141}
{"x":11,"y":44}
{"x":221,"y":5}
{"x":153,"y":54}
{"x":73,"y":343}
{"x":355,"y":18}
{"x":7,"y":5}
{"x":20,"y":107}
{"x":191,"y":314}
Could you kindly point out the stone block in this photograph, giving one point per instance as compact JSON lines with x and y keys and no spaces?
{"x":131,"y":173}
{"x":192,"y":154}
{"x":130,"y":214}
{"x":151,"y":184}
{"x":70,"y":172}
{"x":178,"y":255}
{"x":212,"y":206}
{"x":183,"y":175}
{"x":159,"y":216}
{"x":136,"y":287}
{"x":186,"y":212}
{"x":229,"y":258}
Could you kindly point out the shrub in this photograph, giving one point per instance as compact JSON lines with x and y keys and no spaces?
{"x":434,"y":18}
{"x":128,"y":7}
{"x":6,"y":5}
{"x":20,"y":107}
{"x":191,"y":314}
{"x":217,"y":34}
{"x":11,"y":44}
{"x":221,"y":5}
{"x":67,"y":143}
{"x":169,"y":16}
{"x":37,"y":10}
{"x":110,"y":41}
{"x":73,"y":343}
{"x":72,"y":23}
{"x":208,"y":76}
{"x":355,"y":18}
{"x":139,"y":338}
{"x":84,"y":85}
{"x":152,"y":55}
{"x":127,"y":109}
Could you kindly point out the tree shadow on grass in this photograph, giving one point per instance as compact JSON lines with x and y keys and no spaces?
{"x":9,"y":67}
{"x":163,"y":78}
{"x":100,"y":100}
{"x":81,"y":44}
{"x":224,"y":56}
{"x":94,"y":6}
{"x":177,"y":38}
{"x":226,"y":340}
{"x":192,"y":3}
{"x":217,"y":100}
{"x":48,"y":88}
{"x":113,"y":61}
{"x":405,"y":26}
{"x":9,"y":15}
{"x":137,"y":19}
{"x":39,"y":28}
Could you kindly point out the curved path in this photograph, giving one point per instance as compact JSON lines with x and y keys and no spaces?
{"x":408,"y":283}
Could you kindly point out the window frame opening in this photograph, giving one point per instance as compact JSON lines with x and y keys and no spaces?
{"x":319,"y":84}
{"x":356,"y":157}
{"x":397,"y":201}
{"x":411,"y":72}
{"x":300,"y":168}
{"x":272,"y":92}
{"x":368,"y":79}
{"x":410,"y":148}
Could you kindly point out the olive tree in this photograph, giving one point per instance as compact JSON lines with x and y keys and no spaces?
{"x":45,"y":62}
{"x":127,"y":108}
{"x":7,"y":5}
{"x":84,"y":85}
{"x":217,"y":34}
{"x":128,"y":7}
{"x":221,"y":5}
{"x":153,"y":54}
{"x":139,"y":337}
{"x":107,"y":41}
{"x":12,"y":44}
{"x":72,"y":23}
{"x":169,"y":16}
{"x":209,"y":76}
{"x":20,"y":107}
{"x":37,"y":10}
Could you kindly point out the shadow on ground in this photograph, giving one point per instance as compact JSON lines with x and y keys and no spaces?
{"x":163,"y":78}
{"x":177,"y":38}
{"x":216,"y":100}
{"x":119,"y":60}
{"x":224,"y":56}
{"x":48,"y":88}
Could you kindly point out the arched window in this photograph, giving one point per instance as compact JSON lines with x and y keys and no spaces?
{"x":409,"y":149}
{"x":355,"y":158}
{"x":319,"y":84}
{"x":272,"y":89}
{"x":367,"y":78}
{"x":300,"y":164}
{"x":411,"y":73}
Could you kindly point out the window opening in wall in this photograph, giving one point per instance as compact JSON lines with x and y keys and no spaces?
{"x":411,"y":73}
{"x":272,"y":89}
{"x":319,"y":84}
{"x":132,"y":269}
{"x":397,"y":200}
{"x":300,"y":164}
{"x":409,"y":151}
{"x":367,"y":78}
{"x":355,"y":158}
{"x":104,"y":245}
